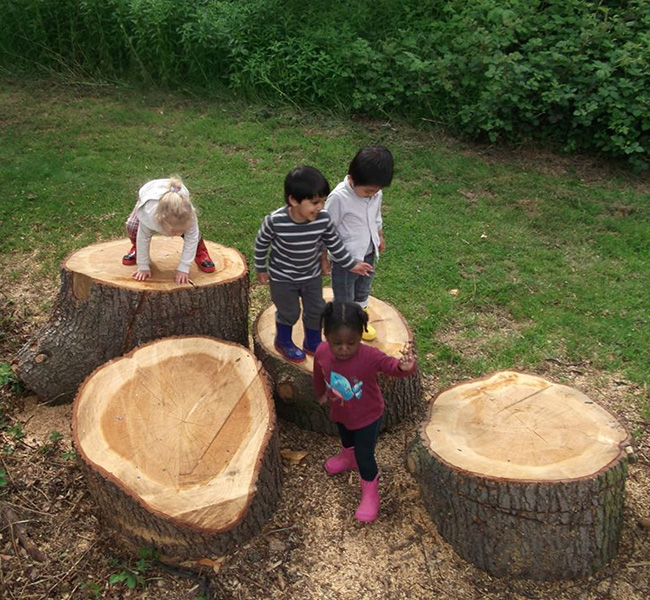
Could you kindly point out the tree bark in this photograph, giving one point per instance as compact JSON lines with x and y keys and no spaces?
{"x":523,"y":477}
{"x":292,"y":382}
{"x":178,"y":445}
{"x":101,"y":312}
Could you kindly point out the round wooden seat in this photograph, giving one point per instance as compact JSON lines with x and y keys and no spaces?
{"x":292,"y":382}
{"x":523,"y":476}
{"x":175,"y":439}
{"x":102,"y":312}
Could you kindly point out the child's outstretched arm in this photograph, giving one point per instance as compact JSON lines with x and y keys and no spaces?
{"x":391,"y":366}
{"x":334,"y":244}
{"x":408,"y":359}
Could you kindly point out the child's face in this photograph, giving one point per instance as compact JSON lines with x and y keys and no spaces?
{"x":344,"y":342}
{"x":172,"y":228}
{"x":365,"y":191}
{"x":307,"y":210}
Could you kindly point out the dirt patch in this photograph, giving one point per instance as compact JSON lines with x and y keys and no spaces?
{"x":487,"y":328}
{"x":534,"y":157}
{"x":311,"y":548}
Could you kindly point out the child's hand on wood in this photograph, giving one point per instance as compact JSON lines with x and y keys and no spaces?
{"x":141,"y":275}
{"x":407,"y":361}
{"x":180,"y":277}
{"x":263,"y":278}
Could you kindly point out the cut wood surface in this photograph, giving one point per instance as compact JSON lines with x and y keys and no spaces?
{"x":102,"y":312}
{"x":178,"y":444}
{"x":292,"y":382}
{"x":523,"y":476}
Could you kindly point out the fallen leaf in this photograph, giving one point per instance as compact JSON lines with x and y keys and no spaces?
{"x":293,"y":456}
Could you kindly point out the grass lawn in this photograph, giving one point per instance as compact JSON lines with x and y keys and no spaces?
{"x":498,"y":259}
{"x":549,"y":256}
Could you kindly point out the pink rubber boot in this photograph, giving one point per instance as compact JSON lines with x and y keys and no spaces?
{"x":369,"y":505}
{"x":343,"y":461}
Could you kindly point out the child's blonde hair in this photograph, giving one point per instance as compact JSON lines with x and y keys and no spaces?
{"x":174,"y":207}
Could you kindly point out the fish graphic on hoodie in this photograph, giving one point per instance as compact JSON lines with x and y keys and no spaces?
{"x":351,"y":385}
{"x":341,"y":388}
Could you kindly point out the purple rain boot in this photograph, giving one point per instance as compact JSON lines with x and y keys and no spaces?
{"x":285,"y":346}
{"x":312,"y":341}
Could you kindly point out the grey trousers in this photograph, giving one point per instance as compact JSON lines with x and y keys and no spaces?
{"x":286,"y":296}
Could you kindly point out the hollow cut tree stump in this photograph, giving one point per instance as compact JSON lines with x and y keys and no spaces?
{"x":101,"y":312}
{"x":522,"y":476}
{"x":292,"y":382}
{"x":178,"y":445}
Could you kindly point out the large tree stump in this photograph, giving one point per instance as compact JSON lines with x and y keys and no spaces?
{"x":292,"y":383}
{"x":522,"y":476}
{"x":178,"y":445}
{"x":101,"y":312}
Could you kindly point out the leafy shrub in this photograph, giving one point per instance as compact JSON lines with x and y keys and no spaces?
{"x":575,"y":72}
{"x":8,"y":377}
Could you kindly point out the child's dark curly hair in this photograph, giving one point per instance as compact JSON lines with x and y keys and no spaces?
{"x":343,"y":314}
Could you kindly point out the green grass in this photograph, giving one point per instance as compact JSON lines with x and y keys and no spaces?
{"x":549,"y":262}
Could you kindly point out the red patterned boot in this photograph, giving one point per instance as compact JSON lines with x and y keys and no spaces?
{"x":130,"y":257}
{"x":202,"y":258}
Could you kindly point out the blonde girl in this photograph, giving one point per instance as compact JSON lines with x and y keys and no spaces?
{"x":164,"y":207}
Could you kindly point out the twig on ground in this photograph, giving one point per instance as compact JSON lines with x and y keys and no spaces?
{"x":72,"y":568}
{"x":16,"y":527}
{"x":200,"y":580}
{"x":33,"y":510}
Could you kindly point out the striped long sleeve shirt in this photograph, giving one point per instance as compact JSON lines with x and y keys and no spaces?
{"x":296,"y":247}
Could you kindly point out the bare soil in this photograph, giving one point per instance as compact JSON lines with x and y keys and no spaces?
{"x":312,"y":548}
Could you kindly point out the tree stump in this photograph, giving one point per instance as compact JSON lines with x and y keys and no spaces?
{"x":522,"y":476}
{"x":292,"y":382}
{"x":101,"y":312}
{"x":178,"y":445}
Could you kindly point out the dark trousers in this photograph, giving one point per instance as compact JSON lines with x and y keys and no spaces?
{"x":286,"y":296}
{"x":364,"y":441}
{"x":350,"y":287}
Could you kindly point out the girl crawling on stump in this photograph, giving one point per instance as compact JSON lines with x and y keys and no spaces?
{"x":345,"y":374}
{"x":164,"y":206}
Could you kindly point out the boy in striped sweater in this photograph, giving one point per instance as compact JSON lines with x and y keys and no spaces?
{"x":296,"y":235}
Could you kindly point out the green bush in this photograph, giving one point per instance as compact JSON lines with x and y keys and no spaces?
{"x":574,"y":72}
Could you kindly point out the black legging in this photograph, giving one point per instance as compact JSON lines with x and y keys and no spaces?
{"x":364,"y":441}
